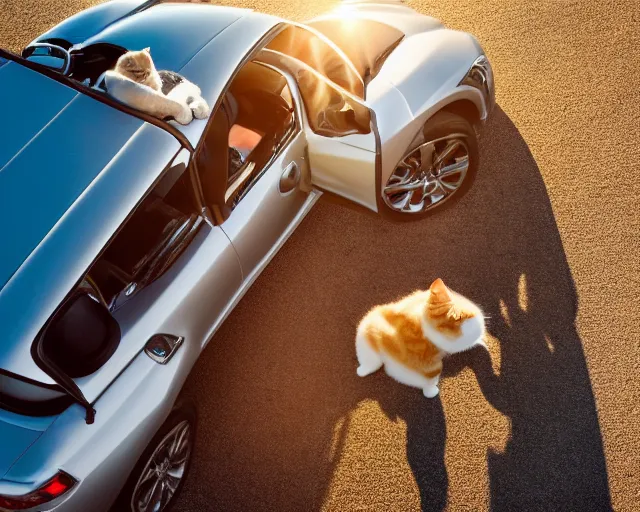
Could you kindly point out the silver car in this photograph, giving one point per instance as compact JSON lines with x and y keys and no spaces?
{"x":127,"y":240}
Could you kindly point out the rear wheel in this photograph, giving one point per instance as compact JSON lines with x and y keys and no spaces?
{"x":162,"y":469}
{"x":436,"y":170}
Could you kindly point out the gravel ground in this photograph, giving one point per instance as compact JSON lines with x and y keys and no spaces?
{"x":546,"y":241}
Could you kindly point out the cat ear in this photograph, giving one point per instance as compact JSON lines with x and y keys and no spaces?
{"x":439,"y":293}
{"x":147,"y":50}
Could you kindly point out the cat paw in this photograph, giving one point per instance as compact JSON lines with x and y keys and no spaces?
{"x":431,"y":392}
{"x":200,"y":109}
{"x":184,"y":116}
{"x":362,"y":371}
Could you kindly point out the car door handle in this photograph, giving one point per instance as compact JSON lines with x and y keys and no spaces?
{"x":290,"y":178}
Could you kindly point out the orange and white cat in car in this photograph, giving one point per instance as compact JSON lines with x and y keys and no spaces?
{"x":412,"y":336}
{"x":136,"y":82}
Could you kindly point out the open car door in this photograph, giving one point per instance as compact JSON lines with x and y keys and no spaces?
{"x":342,"y":141}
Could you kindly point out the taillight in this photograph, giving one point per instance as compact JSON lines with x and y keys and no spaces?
{"x":50,"y":490}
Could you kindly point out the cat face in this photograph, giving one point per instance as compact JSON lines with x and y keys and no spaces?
{"x":138,"y":66}
{"x":451,"y":319}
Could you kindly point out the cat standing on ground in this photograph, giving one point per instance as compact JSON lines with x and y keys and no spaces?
{"x":412,"y":336}
{"x":135,"y":82}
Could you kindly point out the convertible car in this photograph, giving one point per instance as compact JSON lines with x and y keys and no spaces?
{"x":142,"y":234}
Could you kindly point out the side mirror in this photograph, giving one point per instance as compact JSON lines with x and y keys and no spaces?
{"x":49,"y":55}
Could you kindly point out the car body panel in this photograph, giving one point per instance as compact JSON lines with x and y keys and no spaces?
{"x":431,"y":84}
{"x":66,"y":252}
{"x":191,"y":29}
{"x":21,"y":439}
{"x":85,"y":24}
{"x":393,"y":13}
{"x":53,"y":184}
{"x":343,"y":169}
{"x":46,"y":97}
{"x":394,"y":119}
{"x":249,"y":279}
{"x":265,"y":213}
{"x":214,"y":65}
{"x":429,"y":65}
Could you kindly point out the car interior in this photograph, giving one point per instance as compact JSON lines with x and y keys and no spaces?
{"x":87,"y":65}
{"x":255,"y":116}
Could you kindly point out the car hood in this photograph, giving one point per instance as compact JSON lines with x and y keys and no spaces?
{"x":85,"y":24}
{"x":68,"y":180}
{"x":174,"y":32}
{"x":393,"y":13}
{"x":54,"y":148}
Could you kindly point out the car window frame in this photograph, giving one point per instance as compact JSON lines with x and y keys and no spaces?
{"x":198,"y":210}
{"x":270,"y":54}
{"x":294,"y":129}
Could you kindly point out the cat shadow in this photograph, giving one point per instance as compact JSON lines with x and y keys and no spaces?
{"x":276,"y":389}
{"x":506,"y":254}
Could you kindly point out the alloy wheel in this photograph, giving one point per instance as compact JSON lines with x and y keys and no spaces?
{"x":428,"y":175}
{"x":164,"y":471}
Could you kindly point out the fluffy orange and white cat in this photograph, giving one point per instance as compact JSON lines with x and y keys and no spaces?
{"x":412,"y":336}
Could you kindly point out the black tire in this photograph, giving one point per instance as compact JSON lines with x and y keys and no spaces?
{"x":442,"y":124}
{"x":182,"y":412}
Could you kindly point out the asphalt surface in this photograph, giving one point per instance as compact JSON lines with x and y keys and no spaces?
{"x":546,"y":241}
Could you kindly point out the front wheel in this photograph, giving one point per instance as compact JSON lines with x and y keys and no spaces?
{"x":162,"y":469}
{"x":438,"y":168}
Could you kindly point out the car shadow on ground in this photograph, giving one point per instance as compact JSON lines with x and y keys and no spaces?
{"x":280,"y":373}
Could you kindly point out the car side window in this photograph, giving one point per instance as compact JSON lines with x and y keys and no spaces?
{"x":319,"y":54}
{"x":252,"y":124}
{"x":147,"y":243}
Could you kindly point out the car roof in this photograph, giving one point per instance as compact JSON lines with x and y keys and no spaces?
{"x":71,"y":169}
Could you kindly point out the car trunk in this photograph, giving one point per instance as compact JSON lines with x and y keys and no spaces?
{"x":18,"y":434}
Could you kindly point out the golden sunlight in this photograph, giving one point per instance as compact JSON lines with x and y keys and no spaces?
{"x":375,"y":445}
{"x":550,"y":346}
{"x":347,"y":13}
{"x":523,"y":298}
{"x":504,"y":311}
